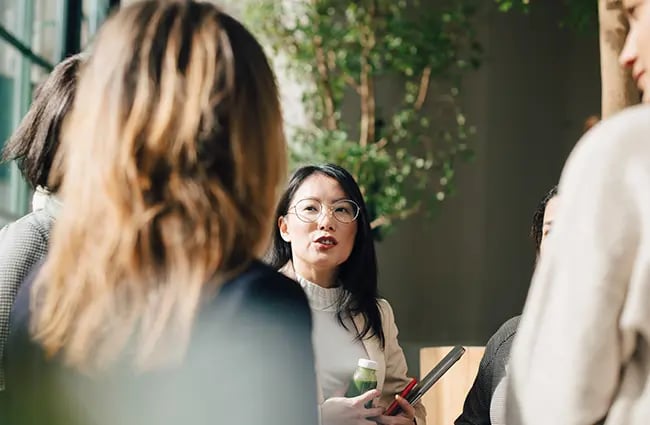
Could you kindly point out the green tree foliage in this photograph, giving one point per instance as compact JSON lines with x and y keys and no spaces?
{"x":581,"y":15}
{"x":404,"y":147}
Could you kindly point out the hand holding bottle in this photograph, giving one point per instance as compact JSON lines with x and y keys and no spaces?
{"x":350,"y":410}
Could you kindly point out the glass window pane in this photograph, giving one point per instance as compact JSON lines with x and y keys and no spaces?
{"x":39,"y":25}
{"x":16,"y":90}
{"x":9,"y":69}
{"x":47,"y":30}
{"x":9,"y":14}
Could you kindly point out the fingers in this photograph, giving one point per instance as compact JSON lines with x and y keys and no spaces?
{"x":373,"y":412}
{"x":404,"y":418}
{"x":393,"y":420}
{"x":366,"y":397}
{"x":386,"y":420}
{"x":408,"y":410}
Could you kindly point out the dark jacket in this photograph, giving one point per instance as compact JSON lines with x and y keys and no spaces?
{"x":492,"y":369}
{"x":250,"y":362}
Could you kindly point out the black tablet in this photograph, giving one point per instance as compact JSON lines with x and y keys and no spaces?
{"x":435,"y":374}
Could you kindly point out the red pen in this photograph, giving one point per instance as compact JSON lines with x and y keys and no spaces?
{"x":394,"y":406}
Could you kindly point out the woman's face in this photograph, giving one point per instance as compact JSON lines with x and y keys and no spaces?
{"x":636,"y":51}
{"x":549,"y":216}
{"x":327,"y":242}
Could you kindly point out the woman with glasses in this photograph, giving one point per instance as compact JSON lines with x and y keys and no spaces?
{"x":323,"y":240}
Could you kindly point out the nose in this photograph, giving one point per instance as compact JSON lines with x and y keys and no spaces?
{"x":327,"y":220}
{"x":628,"y":55}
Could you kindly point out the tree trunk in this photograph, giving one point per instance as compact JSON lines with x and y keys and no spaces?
{"x":618,"y":89}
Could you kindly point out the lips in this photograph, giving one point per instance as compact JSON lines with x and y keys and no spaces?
{"x":637,"y":76}
{"x":327,"y":241}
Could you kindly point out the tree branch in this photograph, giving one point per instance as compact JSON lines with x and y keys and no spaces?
{"x":352,"y":83}
{"x":383,"y":220}
{"x":367,"y":89}
{"x":366,"y":93}
{"x":328,"y":95}
{"x":381,"y":143}
{"x":331,"y":65}
{"x":424,"y":88}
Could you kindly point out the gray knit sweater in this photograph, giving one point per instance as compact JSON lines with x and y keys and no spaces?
{"x":23,"y":243}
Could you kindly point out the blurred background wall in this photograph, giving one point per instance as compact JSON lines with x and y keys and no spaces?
{"x":456,"y":278}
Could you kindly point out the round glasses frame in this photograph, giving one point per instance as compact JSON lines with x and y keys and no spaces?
{"x":332,"y":211}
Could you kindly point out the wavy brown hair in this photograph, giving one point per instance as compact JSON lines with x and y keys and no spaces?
{"x":174,"y":157}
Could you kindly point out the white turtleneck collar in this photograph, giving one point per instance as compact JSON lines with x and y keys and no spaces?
{"x":322,"y":299}
{"x":44,"y":199}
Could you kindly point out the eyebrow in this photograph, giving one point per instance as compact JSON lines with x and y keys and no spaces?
{"x":549,"y":222}
{"x":627,"y":5}
{"x":315,"y":198}
{"x":340,"y":199}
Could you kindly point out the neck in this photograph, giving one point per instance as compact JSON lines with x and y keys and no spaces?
{"x":325,"y":278}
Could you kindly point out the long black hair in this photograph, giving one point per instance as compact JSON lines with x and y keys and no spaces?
{"x":35,"y":142}
{"x":358,"y":274}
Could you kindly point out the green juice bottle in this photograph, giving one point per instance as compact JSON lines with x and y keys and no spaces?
{"x":363,"y":380}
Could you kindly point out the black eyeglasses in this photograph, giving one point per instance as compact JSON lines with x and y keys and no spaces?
{"x":311,"y":210}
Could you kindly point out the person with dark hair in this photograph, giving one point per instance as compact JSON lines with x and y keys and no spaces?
{"x":152,"y":306}
{"x":34,"y":146}
{"x":543,"y":220}
{"x":485,"y":401}
{"x":35,"y":143}
{"x":323,"y":240}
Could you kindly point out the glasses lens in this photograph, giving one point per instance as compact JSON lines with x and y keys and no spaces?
{"x":308,"y":210}
{"x":345,"y":211}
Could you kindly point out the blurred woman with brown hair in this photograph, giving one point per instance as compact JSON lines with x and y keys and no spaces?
{"x":152,"y":306}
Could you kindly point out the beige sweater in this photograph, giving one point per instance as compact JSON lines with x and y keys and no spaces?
{"x":582,"y":354}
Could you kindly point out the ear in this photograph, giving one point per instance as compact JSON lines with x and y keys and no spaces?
{"x":284,"y":229}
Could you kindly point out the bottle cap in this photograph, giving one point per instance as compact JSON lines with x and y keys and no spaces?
{"x":368,"y":364}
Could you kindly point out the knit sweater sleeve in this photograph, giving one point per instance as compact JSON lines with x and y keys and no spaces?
{"x":22,"y":245}
{"x":572,"y":340}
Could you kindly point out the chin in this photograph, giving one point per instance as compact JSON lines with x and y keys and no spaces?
{"x":325,"y":263}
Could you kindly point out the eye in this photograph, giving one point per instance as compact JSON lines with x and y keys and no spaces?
{"x":632,"y":10}
{"x":346,"y":208}
{"x":308,"y":205}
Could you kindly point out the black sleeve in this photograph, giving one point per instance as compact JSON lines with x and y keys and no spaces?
{"x":268,"y":343}
{"x":476,"y":409}
{"x":288,"y":382}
